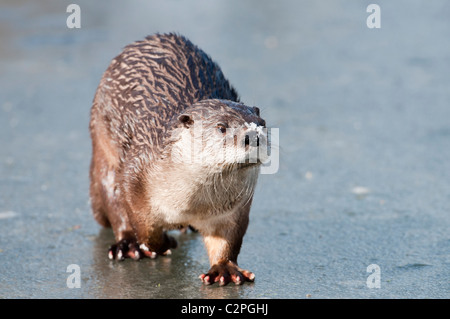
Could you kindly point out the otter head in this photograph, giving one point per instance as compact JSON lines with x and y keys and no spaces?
{"x":219,"y":135}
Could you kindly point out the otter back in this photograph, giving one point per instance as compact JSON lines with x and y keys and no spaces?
{"x":150,"y":82}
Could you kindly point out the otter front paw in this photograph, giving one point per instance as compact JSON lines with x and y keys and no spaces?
{"x":225,"y":273}
{"x":129,"y":248}
{"x":125,"y":248}
{"x":153,"y":254}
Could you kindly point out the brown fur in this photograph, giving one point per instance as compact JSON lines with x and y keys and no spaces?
{"x":147,"y":101}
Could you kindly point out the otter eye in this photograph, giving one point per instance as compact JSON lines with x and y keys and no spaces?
{"x":222,"y":128}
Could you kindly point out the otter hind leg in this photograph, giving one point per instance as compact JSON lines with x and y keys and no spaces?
{"x":109,"y":212}
{"x":106,"y":200}
{"x":97,"y":195}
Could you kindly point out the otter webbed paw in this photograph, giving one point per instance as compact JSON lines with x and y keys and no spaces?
{"x":124,"y":248}
{"x":129,"y":248}
{"x":225,"y":273}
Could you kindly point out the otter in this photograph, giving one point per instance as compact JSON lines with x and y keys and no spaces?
{"x":170,"y":149}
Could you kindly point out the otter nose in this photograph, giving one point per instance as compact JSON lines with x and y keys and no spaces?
{"x":253,"y":138}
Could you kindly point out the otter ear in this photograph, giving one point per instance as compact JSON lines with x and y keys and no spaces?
{"x":186,"y":120}
{"x":256,"y":109}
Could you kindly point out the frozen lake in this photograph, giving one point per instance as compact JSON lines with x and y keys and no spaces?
{"x":364,"y":122}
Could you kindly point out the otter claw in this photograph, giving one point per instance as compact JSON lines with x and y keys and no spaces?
{"x":120,"y":255}
{"x":226,"y":273}
{"x":136,"y":255}
{"x":167,"y":252}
